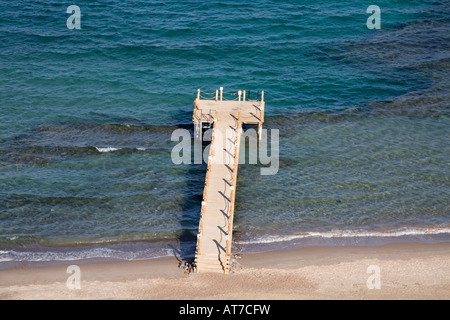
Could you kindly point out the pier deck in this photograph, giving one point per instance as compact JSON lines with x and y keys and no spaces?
{"x":226,"y":117}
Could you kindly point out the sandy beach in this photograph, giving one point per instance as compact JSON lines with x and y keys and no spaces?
{"x":394,"y":271}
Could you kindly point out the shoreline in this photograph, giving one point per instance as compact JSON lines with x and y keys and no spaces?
{"x":54,"y":255}
{"x":406,"y":271}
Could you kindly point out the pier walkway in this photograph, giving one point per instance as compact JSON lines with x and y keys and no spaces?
{"x":224,"y":113}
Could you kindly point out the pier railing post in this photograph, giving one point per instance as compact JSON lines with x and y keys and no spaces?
{"x":221,"y":93}
{"x":262,"y":111}
{"x":198,"y":94}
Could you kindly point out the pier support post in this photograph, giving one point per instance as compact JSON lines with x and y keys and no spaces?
{"x":198,"y":124}
{"x":259,"y":131}
{"x":198,"y":129}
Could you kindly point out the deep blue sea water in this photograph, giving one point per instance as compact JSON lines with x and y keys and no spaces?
{"x":87,"y":116}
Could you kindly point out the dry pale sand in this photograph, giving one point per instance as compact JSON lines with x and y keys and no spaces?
{"x":407,"y":271}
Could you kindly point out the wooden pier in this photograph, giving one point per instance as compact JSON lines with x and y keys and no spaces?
{"x":224,"y":113}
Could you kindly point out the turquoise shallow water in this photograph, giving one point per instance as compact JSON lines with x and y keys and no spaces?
{"x":87,"y":115}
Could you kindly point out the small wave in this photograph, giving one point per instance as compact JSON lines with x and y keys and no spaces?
{"x":106,"y":149}
{"x":112,"y":149}
{"x":341,"y":234}
{"x":65,"y":254}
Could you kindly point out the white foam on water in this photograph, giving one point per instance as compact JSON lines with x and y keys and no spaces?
{"x":106,"y":149}
{"x":341,"y":234}
{"x":112,"y":149}
{"x":83,"y":254}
